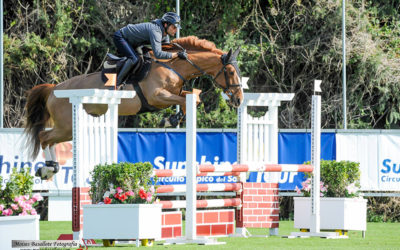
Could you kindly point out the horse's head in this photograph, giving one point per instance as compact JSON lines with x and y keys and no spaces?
{"x":228,"y":78}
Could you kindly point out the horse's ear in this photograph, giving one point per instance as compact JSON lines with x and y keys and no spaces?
{"x":228,"y":56}
{"x":236,"y":53}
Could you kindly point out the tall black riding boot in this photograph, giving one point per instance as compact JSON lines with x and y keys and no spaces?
{"x":128,"y":65}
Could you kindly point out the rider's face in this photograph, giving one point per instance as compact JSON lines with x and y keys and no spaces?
{"x":171,"y":30}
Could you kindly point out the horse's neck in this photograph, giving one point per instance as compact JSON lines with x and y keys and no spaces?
{"x":207,"y":61}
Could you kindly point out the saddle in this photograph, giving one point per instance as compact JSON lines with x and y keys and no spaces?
{"x":113,"y":65}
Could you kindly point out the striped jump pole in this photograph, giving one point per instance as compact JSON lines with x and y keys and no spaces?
{"x":201,"y":188}
{"x":256,"y":168}
{"x":214,"y":203}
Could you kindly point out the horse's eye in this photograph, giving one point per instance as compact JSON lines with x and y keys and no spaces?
{"x":231,"y":73}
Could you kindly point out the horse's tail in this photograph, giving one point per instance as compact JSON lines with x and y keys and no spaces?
{"x":36,"y":116}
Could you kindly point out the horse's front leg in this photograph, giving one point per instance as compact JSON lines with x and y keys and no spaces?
{"x":196,"y":92}
{"x":164,"y":98}
{"x":167,"y":97}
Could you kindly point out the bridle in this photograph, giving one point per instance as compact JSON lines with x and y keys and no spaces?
{"x":225,"y":62}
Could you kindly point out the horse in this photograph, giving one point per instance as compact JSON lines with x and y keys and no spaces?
{"x":161,"y":88}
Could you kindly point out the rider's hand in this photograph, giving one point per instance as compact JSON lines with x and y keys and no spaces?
{"x":182,"y":55}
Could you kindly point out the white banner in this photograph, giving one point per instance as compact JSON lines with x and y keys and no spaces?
{"x":13,"y":155}
{"x":378,"y":155}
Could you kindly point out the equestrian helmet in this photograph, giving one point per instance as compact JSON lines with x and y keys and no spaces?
{"x":171,"y":18}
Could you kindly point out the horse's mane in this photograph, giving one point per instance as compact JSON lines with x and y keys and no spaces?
{"x":194,"y":43}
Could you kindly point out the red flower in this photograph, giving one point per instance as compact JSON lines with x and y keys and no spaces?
{"x":122,"y":197}
{"x":107,"y":200}
{"x":116,"y":196}
{"x":142,"y":194}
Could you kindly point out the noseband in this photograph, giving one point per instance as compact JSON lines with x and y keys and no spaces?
{"x":227,"y":84}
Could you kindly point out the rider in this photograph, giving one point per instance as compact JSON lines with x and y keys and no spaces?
{"x":155,"y":32}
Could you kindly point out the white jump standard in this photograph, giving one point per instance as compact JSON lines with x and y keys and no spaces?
{"x":94,"y":141}
{"x":315,"y":230}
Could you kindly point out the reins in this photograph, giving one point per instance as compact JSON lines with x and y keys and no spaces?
{"x":202,"y":72}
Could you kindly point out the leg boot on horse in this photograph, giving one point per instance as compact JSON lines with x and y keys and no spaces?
{"x":52,"y":167}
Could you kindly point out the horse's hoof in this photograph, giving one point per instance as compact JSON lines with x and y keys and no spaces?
{"x":45,"y":173}
{"x":54,"y":165}
{"x":162,"y":123}
{"x":174,"y":121}
{"x":165,"y":123}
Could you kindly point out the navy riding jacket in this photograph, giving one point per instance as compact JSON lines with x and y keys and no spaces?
{"x":145,"y":33}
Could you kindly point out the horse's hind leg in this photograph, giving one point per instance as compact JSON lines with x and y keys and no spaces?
{"x":48,"y":140}
{"x":52,"y":167}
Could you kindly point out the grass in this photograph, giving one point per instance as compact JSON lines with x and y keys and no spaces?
{"x":378,"y":236}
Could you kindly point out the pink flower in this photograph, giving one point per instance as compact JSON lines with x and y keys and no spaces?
{"x":26,"y":197}
{"x":152,"y":190}
{"x":306,"y":186}
{"x":37,"y":197}
{"x":7,"y":212}
{"x":21,"y":203}
{"x":17,"y":199}
{"x":23,"y":213}
{"x":298,"y":190}
{"x":31,"y":201}
{"x":14,"y":207}
{"x":149,"y":196}
{"x":33,"y":211}
{"x":1,"y":207}
{"x":27,"y":206}
{"x":352,"y":189}
{"x":119,"y":190}
{"x":130,"y":193}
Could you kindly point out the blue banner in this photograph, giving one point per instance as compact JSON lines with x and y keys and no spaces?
{"x":167,"y":150}
{"x":295,"y":148}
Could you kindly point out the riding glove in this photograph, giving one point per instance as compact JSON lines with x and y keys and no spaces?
{"x":182,"y":55}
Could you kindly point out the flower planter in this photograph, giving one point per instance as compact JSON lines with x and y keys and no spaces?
{"x":336,"y":213}
{"x":18,"y":228}
{"x":122,"y":221}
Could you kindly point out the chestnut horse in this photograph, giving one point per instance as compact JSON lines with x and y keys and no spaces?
{"x":161,"y":88}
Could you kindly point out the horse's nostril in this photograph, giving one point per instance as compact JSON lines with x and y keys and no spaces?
{"x":237,"y":102}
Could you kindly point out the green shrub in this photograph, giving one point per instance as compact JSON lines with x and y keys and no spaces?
{"x":342,"y":179}
{"x":20,"y":183}
{"x":107,"y":179}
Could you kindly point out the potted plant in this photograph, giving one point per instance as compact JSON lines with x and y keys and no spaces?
{"x":124,"y":204}
{"x":18,"y":216}
{"x":341,"y":206}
